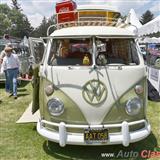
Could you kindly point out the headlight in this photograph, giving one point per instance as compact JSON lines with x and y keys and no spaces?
{"x":49,"y":90}
{"x":55,"y":107}
{"x":133,"y":106}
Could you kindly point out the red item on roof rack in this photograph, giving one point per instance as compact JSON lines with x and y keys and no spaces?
{"x":65,"y":6}
{"x":64,"y":10}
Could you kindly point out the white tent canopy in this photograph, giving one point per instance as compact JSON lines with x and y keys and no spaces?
{"x":150,"y":27}
{"x":133,"y":19}
{"x":149,"y":40}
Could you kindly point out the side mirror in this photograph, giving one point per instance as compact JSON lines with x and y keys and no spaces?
{"x":157,"y":63}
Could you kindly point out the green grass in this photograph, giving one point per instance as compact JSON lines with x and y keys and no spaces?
{"x":22,"y":142}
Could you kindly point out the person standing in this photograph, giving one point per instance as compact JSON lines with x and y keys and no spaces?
{"x":11,"y":64}
{"x":2,"y":55}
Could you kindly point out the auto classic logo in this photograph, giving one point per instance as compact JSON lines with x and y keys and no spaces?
{"x":94,"y":92}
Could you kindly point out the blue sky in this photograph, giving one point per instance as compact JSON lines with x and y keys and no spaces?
{"x":37,"y":9}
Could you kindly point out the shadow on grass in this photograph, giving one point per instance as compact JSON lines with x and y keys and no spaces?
{"x":23,"y":84}
{"x":94,"y":152}
{"x":2,"y":85}
{"x":22,"y":95}
{"x":34,"y":128}
{"x":21,"y":89}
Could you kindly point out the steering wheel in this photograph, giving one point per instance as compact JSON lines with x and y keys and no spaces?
{"x":101,"y":59}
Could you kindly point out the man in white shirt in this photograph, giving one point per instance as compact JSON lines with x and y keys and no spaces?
{"x":11,"y":64}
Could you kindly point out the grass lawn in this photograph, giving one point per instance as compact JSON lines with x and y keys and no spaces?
{"x":22,"y":142}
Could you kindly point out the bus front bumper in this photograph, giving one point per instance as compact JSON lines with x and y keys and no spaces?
{"x":63,"y":137}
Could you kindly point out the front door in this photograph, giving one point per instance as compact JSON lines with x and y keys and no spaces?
{"x":37,"y":47}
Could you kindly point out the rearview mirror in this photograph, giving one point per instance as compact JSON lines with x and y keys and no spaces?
{"x":31,"y":60}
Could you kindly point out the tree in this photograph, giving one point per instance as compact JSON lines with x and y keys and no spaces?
{"x":41,"y":31}
{"x":4,"y":19}
{"x":21,"y":26}
{"x":146,"y":17}
{"x":43,"y":27}
{"x":16,"y":5}
{"x":13,"y":22}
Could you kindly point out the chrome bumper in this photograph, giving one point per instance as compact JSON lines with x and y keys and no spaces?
{"x":63,"y":137}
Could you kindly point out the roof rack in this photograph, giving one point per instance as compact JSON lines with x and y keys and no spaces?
{"x":78,"y":18}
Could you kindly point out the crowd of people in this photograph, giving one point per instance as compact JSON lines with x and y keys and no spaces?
{"x":9,"y":64}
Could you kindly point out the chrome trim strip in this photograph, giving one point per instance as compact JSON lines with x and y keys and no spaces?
{"x":94,"y":126}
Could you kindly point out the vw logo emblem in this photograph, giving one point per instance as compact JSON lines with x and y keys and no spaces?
{"x":94,"y":92}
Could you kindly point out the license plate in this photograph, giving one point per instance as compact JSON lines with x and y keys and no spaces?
{"x":95,"y":135}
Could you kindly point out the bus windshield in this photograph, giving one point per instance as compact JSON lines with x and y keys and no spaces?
{"x":116,"y":51}
{"x":70,"y":52}
{"x":79,"y":52}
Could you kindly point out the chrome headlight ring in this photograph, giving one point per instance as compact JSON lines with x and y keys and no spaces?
{"x":133,"y":106}
{"x":55,"y":107}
